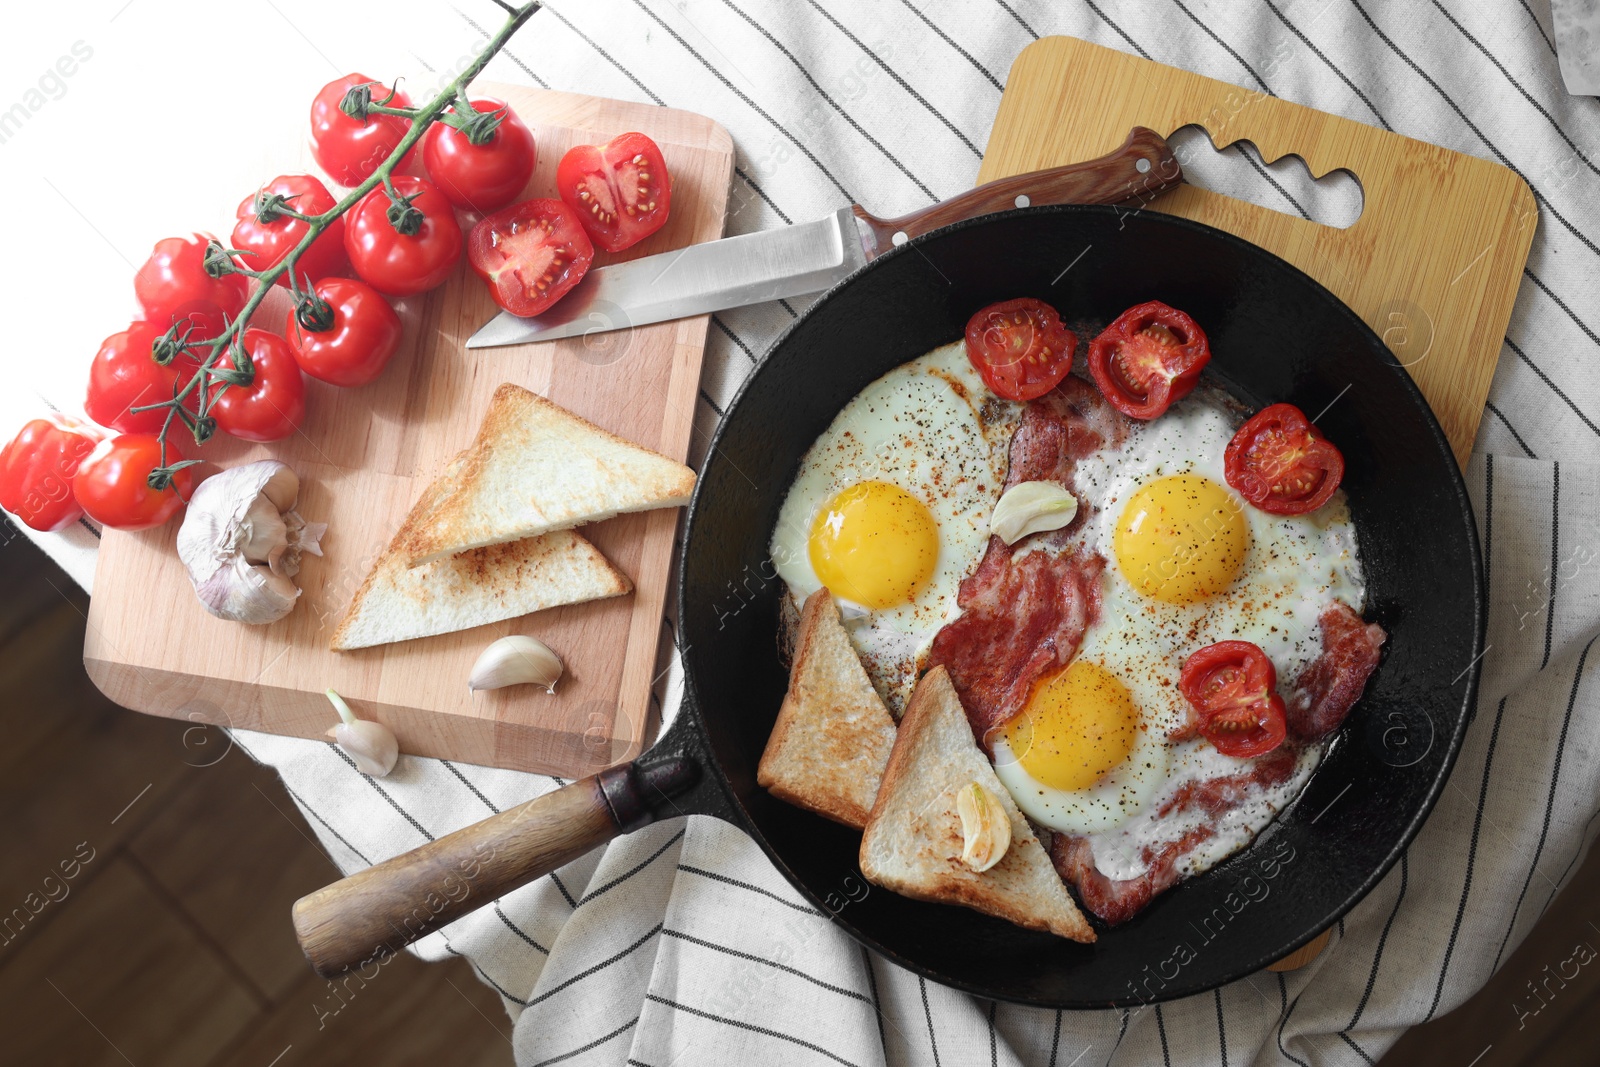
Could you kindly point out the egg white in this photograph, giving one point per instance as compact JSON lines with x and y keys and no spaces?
{"x":932,"y":428}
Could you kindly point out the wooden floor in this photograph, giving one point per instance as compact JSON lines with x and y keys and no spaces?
{"x":148,"y":873}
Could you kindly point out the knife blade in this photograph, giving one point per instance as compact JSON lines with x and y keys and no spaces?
{"x":812,"y":256}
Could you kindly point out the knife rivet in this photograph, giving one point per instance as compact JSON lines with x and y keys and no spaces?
{"x":1142,"y":166}
{"x":1022,"y":200}
{"x":899,"y":238}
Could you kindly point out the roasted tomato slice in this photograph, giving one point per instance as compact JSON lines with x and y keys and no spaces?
{"x":1281,"y":464}
{"x":531,"y":254}
{"x":1149,"y":358}
{"x":1233,"y":687}
{"x":1020,"y":347}
{"x":620,"y":190}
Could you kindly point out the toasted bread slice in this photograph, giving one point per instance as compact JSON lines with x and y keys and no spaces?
{"x":536,"y":467}
{"x":913,"y":841}
{"x":832,"y":739}
{"x":398,"y":603}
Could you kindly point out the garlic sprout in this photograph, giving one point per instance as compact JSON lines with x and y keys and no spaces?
{"x":241,"y":542}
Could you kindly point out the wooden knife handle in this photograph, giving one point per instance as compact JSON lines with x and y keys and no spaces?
{"x":1139,"y":170}
{"x":362,"y":920}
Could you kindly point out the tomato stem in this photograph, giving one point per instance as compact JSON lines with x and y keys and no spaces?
{"x":357,"y":103}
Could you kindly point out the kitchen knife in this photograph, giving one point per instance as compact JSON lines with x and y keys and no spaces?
{"x":813,"y":256}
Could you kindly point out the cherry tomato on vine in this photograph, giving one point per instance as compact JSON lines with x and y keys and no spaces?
{"x":348,"y":149}
{"x":1149,"y":358}
{"x":124,"y":376}
{"x":346,"y":335}
{"x":263,"y":239}
{"x":1233,"y":687}
{"x":531,"y":254}
{"x":1020,"y":348}
{"x":272,"y":405}
{"x":37,"y":468}
{"x":173,"y":286}
{"x":112,"y":487}
{"x":481,"y":177}
{"x":1281,"y":464}
{"x":402,"y":264}
{"x":621,"y":189}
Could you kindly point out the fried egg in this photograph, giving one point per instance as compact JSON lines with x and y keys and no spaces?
{"x":1188,"y":564}
{"x":890,"y":508}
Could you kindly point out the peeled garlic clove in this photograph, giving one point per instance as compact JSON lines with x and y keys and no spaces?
{"x":371,"y":744}
{"x":516,"y":660}
{"x":985,"y":826}
{"x":1031,"y":507}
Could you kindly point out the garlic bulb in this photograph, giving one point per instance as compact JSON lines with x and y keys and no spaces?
{"x":1031,"y":507}
{"x":241,"y":541}
{"x":514,"y":660}
{"x":985,"y":827}
{"x":371,"y":744}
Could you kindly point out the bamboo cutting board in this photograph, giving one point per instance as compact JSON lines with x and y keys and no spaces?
{"x":1432,"y":264}
{"x":364,"y":455}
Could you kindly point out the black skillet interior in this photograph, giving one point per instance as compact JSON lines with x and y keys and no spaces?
{"x":1276,"y":335}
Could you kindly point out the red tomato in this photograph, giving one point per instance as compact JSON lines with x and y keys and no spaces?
{"x":123,"y":376}
{"x":173,"y":286}
{"x":481,"y":177}
{"x":531,"y":254}
{"x":1233,"y":687}
{"x":263,"y":244}
{"x":112,"y":483}
{"x":347,"y":335}
{"x":36,"y":471}
{"x":348,"y":149}
{"x":403,"y":264}
{"x":1149,"y":358}
{"x":273,"y":404}
{"x":1281,"y":464}
{"x":1020,"y":348}
{"x":621,"y":189}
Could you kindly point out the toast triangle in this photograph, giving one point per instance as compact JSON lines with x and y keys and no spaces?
{"x":832,"y":738}
{"x":536,"y":467}
{"x":913,"y":841}
{"x":398,"y":603}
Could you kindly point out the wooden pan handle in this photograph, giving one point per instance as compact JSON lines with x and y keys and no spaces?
{"x":369,"y":916}
{"x":1139,"y":170}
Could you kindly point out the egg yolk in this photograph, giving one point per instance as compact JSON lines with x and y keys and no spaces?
{"x":1181,"y":539}
{"x":1076,"y":726}
{"x":874,"y":543}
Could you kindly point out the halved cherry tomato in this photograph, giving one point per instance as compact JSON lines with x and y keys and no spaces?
{"x":481,"y":177}
{"x":37,"y":468}
{"x":1281,"y":464}
{"x":621,"y":189}
{"x":274,"y":402}
{"x":531,"y":254}
{"x":1020,"y":348}
{"x":346,"y":335}
{"x":1148,"y":359}
{"x":1233,"y":687}
{"x":173,"y":286}
{"x":348,"y":149}
{"x":124,"y":376}
{"x":112,"y":483}
{"x":397,"y":263}
{"x":263,"y":239}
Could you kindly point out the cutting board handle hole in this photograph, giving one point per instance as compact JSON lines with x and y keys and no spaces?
{"x":1238,"y":171}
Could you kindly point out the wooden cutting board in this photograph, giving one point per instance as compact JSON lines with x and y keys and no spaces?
{"x":365,"y":454}
{"x":1432,"y":264}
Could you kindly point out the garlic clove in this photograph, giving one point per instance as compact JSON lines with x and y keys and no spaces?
{"x":282,"y":487}
{"x":372,"y":745}
{"x":985,"y":827}
{"x":515,"y":660}
{"x":262,"y":530}
{"x":1031,"y":507}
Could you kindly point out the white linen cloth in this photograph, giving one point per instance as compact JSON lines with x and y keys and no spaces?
{"x":681,"y":944}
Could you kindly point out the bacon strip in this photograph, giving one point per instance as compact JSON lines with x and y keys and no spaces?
{"x":1326,"y":690}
